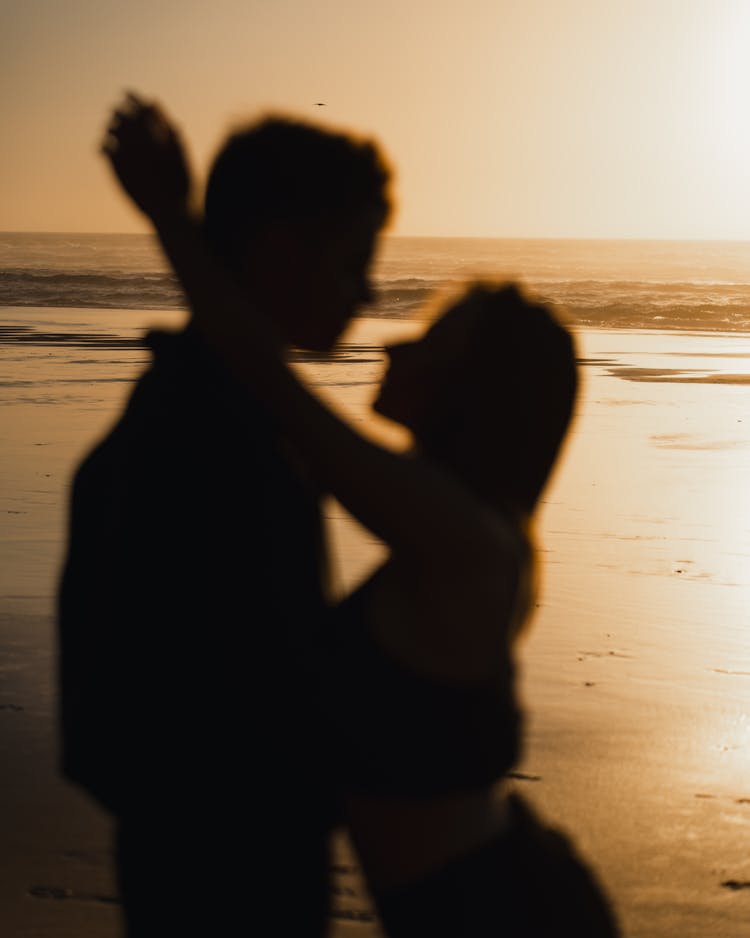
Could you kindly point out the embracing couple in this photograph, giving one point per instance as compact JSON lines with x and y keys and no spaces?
{"x":214,"y":700}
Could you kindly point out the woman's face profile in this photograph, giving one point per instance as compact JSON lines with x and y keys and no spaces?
{"x":427,"y":373}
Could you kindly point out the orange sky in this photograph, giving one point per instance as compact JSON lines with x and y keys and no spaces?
{"x":527,"y":118}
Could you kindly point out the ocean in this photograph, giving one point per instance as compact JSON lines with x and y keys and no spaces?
{"x":686,"y":285}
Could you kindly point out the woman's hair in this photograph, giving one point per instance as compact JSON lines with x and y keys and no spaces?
{"x":519,"y":388}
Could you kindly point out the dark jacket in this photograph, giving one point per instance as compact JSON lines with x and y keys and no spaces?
{"x":191,"y":588}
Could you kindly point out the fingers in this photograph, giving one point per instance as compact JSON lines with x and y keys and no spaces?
{"x":136,"y":118}
{"x":132,"y":110}
{"x":137,"y":109}
{"x":135,"y":100}
{"x":128,"y":122}
{"x":128,"y":115}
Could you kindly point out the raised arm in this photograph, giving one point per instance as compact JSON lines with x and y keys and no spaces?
{"x":423,"y":513}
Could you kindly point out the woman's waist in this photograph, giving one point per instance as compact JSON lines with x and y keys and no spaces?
{"x":401,"y":839}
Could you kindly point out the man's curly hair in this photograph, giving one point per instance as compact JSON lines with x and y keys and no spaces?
{"x":280,"y":169}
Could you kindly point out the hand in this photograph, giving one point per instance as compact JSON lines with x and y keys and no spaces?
{"x":148,"y":158}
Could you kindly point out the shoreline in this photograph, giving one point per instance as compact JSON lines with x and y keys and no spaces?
{"x":165,"y":318}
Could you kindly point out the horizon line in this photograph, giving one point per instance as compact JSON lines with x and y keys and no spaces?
{"x":443,"y":237}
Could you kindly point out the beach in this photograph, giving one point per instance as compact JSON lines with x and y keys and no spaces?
{"x":635,"y":671}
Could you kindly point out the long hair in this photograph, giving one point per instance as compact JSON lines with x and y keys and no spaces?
{"x":519,"y":385}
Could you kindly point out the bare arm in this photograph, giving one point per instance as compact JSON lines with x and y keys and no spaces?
{"x":423,"y":513}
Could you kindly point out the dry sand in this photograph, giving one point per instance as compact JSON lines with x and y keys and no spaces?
{"x":636,"y":670}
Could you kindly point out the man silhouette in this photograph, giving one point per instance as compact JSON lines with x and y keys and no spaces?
{"x":193,"y":583}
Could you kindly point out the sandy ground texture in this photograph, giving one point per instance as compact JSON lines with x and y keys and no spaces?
{"x":635,"y":671}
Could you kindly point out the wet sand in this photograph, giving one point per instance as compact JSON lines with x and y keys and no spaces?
{"x":635,"y":671}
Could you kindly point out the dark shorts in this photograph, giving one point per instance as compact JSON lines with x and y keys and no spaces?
{"x":527,"y":883}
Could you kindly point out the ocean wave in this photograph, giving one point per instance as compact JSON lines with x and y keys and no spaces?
{"x":689,"y":318}
{"x":638,"y":304}
{"x":96,"y":289}
{"x":605,"y":303}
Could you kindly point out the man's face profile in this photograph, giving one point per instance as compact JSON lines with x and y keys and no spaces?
{"x":325,"y":278}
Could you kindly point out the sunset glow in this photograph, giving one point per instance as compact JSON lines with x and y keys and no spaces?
{"x":544,"y":119}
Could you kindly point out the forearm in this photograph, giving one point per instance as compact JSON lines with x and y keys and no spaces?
{"x":407,"y":502}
